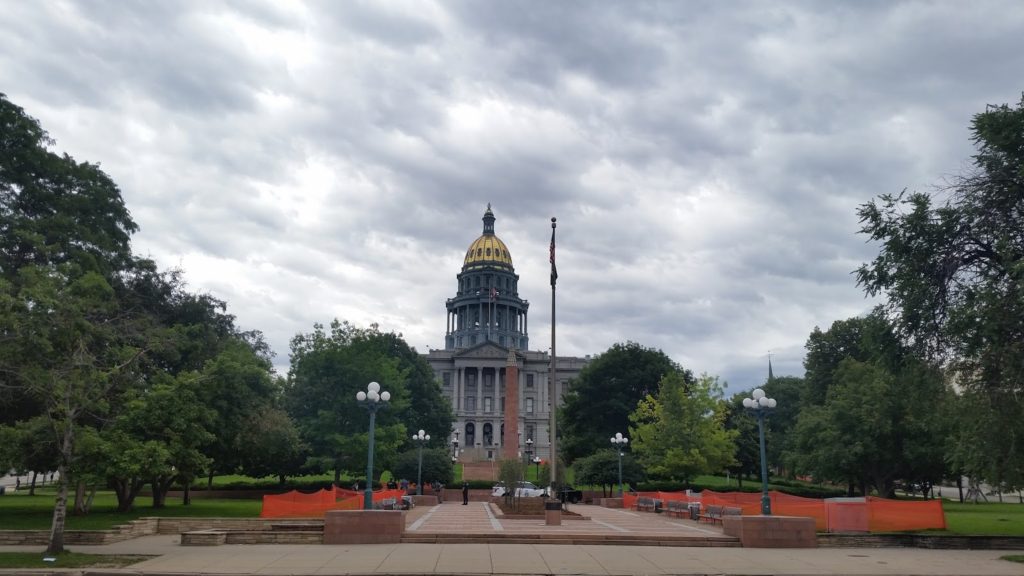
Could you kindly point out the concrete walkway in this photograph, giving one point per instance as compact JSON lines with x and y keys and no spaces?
{"x":506,"y":559}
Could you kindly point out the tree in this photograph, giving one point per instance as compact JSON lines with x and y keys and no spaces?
{"x":271,"y":445}
{"x":680,"y":433}
{"x":952,"y":269}
{"x":606,"y":392}
{"x":437,"y":465}
{"x":327,"y":371}
{"x":602,"y":469}
{"x":876,"y":427}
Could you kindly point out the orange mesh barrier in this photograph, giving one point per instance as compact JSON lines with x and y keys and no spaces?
{"x":298,"y":504}
{"x":847,"y":515}
{"x":895,"y":515}
{"x":840,"y":514}
{"x":680,"y":496}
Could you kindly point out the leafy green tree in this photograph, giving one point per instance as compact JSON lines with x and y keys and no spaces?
{"x":237,"y":384}
{"x":271,"y":445}
{"x":952,"y":270}
{"x":876,"y":427}
{"x":602,"y":469}
{"x":866,"y":338}
{"x":606,"y":392}
{"x":680,"y":433}
{"x":327,"y":370}
{"x":437,"y":465}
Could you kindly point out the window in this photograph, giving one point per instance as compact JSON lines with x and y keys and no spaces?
{"x":502,"y":402}
{"x":529,"y":405}
{"x":529,"y":380}
{"x":487,"y":404}
{"x":471,"y":403}
{"x":530,"y":433}
{"x":447,"y":379}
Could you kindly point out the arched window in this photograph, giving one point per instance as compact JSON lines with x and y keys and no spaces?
{"x":488,"y":434}
{"x":470,"y":435}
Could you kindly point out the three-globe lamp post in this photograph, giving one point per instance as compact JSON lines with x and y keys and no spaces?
{"x":420,"y":438}
{"x":619,"y":441}
{"x":373,"y":399}
{"x":760,"y":404}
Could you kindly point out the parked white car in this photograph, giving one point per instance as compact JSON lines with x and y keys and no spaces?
{"x":523,"y":490}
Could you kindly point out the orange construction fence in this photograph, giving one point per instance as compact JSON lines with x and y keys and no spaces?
{"x":297,"y":504}
{"x":832,"y":515}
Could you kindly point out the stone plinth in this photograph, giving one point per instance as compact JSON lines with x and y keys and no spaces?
{"x":363,"y":526}
{"x":771,"y":531}
{"x":424,"y":500}
{"x":611,"y":502}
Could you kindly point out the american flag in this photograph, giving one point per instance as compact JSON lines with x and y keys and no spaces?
{"x":551,"y":254}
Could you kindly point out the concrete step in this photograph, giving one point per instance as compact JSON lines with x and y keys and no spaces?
{"x":576,"y":539}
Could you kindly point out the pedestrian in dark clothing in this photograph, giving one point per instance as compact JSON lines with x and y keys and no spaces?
{"x":465,"y":493}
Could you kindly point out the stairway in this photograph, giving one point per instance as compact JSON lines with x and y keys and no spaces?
{"x":486,"y":470}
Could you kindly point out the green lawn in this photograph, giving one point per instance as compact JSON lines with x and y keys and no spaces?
{"x":20,"y":511}
{"x":66,"y":560}
{"x":989,"y":518}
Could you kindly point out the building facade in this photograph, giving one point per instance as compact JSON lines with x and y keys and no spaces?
{"x":498,"y":387}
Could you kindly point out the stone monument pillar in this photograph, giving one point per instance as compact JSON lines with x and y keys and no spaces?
{"x":510,"y":443}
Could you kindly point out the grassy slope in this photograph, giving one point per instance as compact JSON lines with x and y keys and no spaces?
{"x":66,"y":560}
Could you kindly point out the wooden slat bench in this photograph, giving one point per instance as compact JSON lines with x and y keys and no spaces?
{"x":677,"y":508}
{"x":645,"y":504}
{"x":714,"y":513}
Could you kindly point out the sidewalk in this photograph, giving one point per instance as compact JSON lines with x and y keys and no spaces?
{"x":509,"y":559}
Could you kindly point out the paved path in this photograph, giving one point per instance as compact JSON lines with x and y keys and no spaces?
{"x":478,"y":518}
{"x":536,"y":559}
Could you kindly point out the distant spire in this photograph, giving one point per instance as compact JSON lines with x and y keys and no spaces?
{"x":488,"y":220}
{"x":770,"y":375}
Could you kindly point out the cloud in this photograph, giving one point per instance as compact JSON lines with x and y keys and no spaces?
{"x":312,"y":160}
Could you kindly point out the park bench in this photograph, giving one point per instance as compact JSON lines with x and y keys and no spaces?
{"x":715,"y":513}
{"x":386,"y":504}
{"x":645,"y":504}
{"x":677,"y":508}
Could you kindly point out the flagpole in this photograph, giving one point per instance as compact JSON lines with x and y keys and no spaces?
{"x":553,"y":384}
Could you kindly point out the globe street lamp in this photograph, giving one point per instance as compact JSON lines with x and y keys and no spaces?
{"x":529,"y":450}
{"x":760,"y":404}
{"x":619,"y":441}
{"x":373,"y":399}
{"x":421,"y":439}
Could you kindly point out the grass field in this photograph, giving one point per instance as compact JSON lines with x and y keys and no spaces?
{"x":20,"y":511}
{"x":992,"y":518}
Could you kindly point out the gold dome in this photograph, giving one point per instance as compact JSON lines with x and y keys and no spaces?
{"x":487,"y":249}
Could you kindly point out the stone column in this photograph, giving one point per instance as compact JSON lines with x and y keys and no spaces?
{"x":510,"y":443}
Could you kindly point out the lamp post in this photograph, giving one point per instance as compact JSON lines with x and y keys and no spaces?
{"x":420,"y":438}
{"x":619,"y":441}
{"x":760,"y":404}
{"x":373,"y":399}
{"x":455,"y":447}
{"x":529,"y":452}
{"x":536,"y":460}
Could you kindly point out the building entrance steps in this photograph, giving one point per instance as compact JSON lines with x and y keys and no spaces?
{"x":486,"y":470}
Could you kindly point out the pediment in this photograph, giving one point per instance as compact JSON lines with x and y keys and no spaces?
{"x":485,"y":350}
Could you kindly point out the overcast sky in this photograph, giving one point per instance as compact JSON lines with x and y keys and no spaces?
{"x":305,"y":161}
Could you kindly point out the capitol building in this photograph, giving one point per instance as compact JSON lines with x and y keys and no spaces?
{"x":497,"y":386}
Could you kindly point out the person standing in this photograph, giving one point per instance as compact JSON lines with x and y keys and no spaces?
{"x":465,"y":493}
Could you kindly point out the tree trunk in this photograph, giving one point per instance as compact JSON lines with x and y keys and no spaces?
{"x":159,"y":493}
{"x":960,"y":487}
{"x":186,"y":493}
{"x":32,"y":486}
{"x":88,"y":501}
{"x":281,"y":479}
{"x":209,"y":479}
{"x":79,"y":508}
{"x":60,"y":507}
